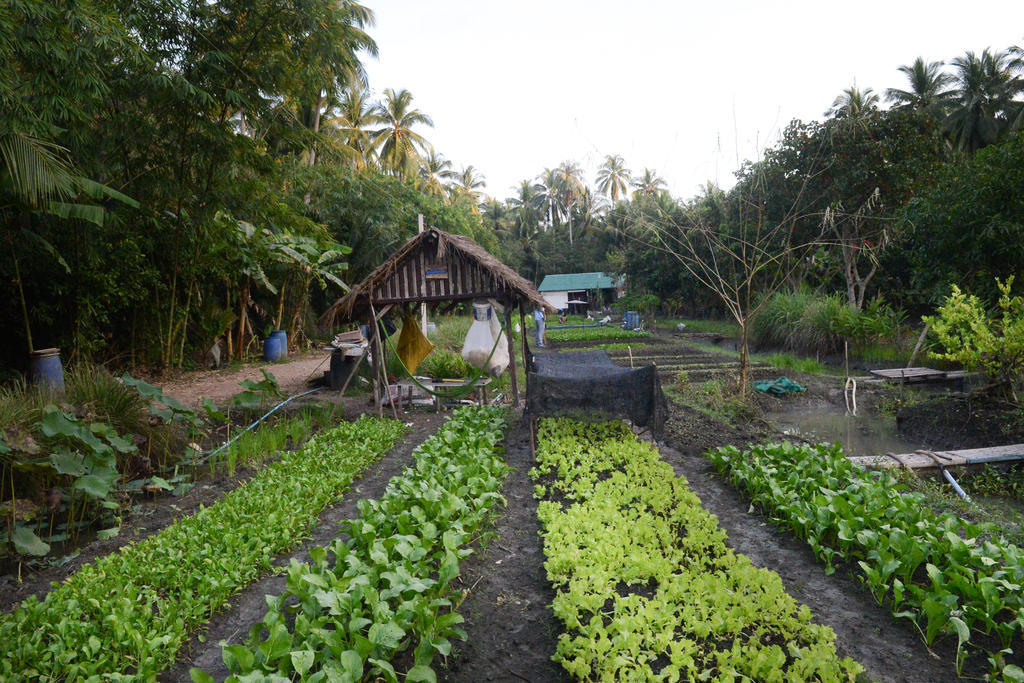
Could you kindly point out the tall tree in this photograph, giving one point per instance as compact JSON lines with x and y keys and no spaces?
{"x":436,"y":173}
{"x":353,"y":118}
{"x":401,"y":149}
{"x":613,"y":178}
{"x":470,"y":183}
{"x":929,"y":88}
{"x":985,"y":86}
{"x":648,"y":184}
{"x":549,"y":191}
{"x":326,"y":53}
{"x":571,"y":189}
{"x":853,"y":103}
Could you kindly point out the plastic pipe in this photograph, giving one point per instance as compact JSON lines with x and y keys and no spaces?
{"x":956,"y":487}
{"x":250,"y":427}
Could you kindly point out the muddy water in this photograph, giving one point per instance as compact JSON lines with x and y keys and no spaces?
{"x":860,"y":435}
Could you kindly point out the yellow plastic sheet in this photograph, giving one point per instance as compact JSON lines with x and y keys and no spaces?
{"x":413,"y":347}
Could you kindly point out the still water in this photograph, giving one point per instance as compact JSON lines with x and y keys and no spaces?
{"x":861,"y":435}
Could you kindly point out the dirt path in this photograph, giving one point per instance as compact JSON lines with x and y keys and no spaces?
{"x":220,"y":385}
{"x":512,"y":631}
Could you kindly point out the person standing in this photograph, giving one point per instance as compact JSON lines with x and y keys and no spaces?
{"x":538,"y":316}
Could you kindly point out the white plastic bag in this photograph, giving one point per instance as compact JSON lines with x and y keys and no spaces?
{"x":499,"y":360}
{"x":480,"y":340}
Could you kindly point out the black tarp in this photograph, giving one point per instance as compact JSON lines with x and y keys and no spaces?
{"x":589,"y":384}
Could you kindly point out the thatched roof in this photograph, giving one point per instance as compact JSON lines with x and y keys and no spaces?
{"x":390,"y":281}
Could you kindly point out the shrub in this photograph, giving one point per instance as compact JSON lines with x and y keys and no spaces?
{"x":819,"y":324}
{"x":981,"y":341}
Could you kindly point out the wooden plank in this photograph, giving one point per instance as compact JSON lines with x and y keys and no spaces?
{"x":966,"y":456}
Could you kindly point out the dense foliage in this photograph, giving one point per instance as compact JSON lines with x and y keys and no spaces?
{"x":950,"y":577}
{"x":387,"y":587}
{"x":646,"y":586}
{"x":994,"y":344}
{"x":130,"y":612}
{"x":194,"y":172}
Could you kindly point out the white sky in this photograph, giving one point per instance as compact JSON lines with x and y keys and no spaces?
{"x":683,"y":88}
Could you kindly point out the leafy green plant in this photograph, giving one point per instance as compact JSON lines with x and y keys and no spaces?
{"x":645,"y":585}
{"x":981,"y":341}
{"x":594,"y":334}
{"x":811,"y":323}
{"x":387,"y":587}
{"x":941,"y":572}
{"x":130,"y":612}
{"x":93,"y":389}
{"x":444,"y":364}
{"x":269,"y":439}
{"x":259,"y":394}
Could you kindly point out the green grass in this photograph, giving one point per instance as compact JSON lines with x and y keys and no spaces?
{"x":717,"y":398}
{"x":268,"y":440}
{"x":788,"y":361}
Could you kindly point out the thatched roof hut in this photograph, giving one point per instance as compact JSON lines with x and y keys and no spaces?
{"x":435,"y":267}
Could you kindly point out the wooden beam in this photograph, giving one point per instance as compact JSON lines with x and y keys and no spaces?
{"x":465,"y":296}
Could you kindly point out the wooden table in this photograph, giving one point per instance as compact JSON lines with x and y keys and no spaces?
{"x":406,"y":386}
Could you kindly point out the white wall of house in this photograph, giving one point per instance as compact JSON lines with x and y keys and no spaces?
{"x":557,"y":299}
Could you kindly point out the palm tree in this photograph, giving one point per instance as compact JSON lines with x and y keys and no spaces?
{"x":929,"y":88}
{"x":494,"y":213}
{"x":984,"y":91}
{"x":527,"y":205}
{"x":328,"y":52}
{"x":548,"y":187}
{"x":346,"y":126}
{"x":853,"y":103}
{"x":468,"y":182}
{"x":571,"y":189}
{"x":613,"y":177}
{"x":353,"y":116}
{"x":650,"y":184}
{"x":435,"y":173}
{"x":400,"y":148}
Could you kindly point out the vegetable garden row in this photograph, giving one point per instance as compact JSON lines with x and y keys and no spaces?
{"x":387,"y":587}
{"x":130,"y":612}
{"x":646,"y":587}
{"x":951,"y":578}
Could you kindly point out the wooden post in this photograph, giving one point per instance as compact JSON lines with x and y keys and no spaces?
{"x":382,"y":364}
{"x":917,"y":347}
{"x":511,"y":356}
{"x":423,"y":306}
{"x":374,"y":367}
{"x":526,"y":349}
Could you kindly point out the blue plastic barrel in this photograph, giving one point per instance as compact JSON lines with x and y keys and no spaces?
{"x":272,"y":349}
{"x":283,"y":336}
{"x":47,"y":369}
{"x":632,"y":320}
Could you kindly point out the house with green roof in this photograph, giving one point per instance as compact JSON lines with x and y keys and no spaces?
{"x":579,"y":292}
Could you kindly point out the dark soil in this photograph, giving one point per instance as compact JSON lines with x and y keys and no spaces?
{"x":962,"y":421}
{"x":512,"y":631}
